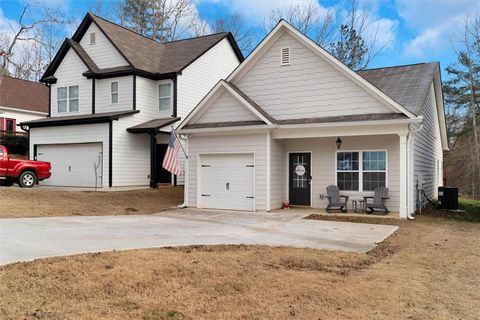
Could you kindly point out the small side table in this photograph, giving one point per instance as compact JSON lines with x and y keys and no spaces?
{"x":358,"y":206}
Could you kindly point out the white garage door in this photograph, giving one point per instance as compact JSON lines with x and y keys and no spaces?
{"x":73,"y":165}
{"x":226,"y":181}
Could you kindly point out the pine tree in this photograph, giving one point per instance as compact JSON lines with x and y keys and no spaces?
{"x":350,"y":48}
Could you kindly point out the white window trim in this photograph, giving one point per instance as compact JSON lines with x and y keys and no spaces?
{"x":113,"y":92}
{"x":94,"y":38}
{"x":171,"y":94}
{"x":360,"y":168}
{"x":68,"y":98}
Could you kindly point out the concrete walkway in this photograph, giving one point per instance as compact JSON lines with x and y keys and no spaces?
{"x":26,"y":239}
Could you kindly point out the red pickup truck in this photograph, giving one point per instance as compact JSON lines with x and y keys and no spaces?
{"x":24,"y":172}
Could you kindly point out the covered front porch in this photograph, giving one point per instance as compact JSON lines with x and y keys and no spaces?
{"x":304,"y":162}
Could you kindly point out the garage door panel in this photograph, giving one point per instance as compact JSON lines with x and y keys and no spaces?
{"x":227,"y":181}
{"x":73,"y":165}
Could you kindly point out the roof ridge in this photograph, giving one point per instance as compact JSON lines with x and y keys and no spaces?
{"x":157,"y":42}
{"x":197,"y":37}
{"x":399,"y":66}
{"x":123,"y":27}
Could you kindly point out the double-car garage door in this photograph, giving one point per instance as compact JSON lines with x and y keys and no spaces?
{"x":73,"y":165}
{"x":227,"y":181}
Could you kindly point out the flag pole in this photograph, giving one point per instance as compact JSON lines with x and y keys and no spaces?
{"x":179,"y":142}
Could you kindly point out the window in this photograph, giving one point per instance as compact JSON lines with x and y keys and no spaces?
{"x":10,"y":125}
{"x":92,"y":38}
{"x":374,"y":170}
{"x":361,"y":170}
{"x":165,"y":96}
{"x":114,"y":92}
{"x":67,"y":99}
{"x":285,"y":56}
{"x":347,"y":171}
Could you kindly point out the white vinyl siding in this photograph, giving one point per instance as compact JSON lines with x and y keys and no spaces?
{"x":69,"y":73}
{"x":103,"y":53}
{"x":147,"y":98}
{"x":428,"y":152}
{"x":193,"y":84}
{"x":308,"y":87}
{"x":103,"y":94}
{"x":87,"y":133}
{"x":247,"y":143}
{"x":226,"y":109}
{"x":324,"y":163}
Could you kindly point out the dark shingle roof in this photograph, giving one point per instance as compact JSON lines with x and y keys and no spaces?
{"x":141,"y":53}
{"x":23,"y":94}
{"x":408,"y":85}
{"x":79,"y":119}
{"x":152,"y":125}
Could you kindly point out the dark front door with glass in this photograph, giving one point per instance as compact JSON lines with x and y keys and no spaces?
{"x":300,"y":178}
{"x":163,"y":176}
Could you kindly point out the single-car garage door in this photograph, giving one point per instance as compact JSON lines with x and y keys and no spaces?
{"x":73,"y":165}
{"x":227,"y":181}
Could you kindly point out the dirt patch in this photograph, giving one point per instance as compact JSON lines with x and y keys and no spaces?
{"x":18,"y":202}
{"x":428,"y":269}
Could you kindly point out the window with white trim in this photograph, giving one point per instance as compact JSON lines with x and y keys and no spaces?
{"x":114,"y":92}
{"x":165,"y":96}
{"x":361,"y":170}
{"x":67,"y":99}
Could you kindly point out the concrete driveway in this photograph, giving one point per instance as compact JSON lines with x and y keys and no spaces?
{"x":30,"y":238}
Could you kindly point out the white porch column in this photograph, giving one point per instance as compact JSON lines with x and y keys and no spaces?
{"x":403,"y":176}
{"x":269,"y":165}
{"x":411,"y":171}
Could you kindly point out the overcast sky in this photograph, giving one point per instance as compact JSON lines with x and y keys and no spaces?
{"x":416,"y":30}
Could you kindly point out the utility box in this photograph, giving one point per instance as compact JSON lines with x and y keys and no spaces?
{"x":448,"y":198}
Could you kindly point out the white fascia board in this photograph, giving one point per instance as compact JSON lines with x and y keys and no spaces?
{"x":24,"y":111}
{"x":437,"y":84}
{"x":227,"y":130}
{"x":351,"y":123}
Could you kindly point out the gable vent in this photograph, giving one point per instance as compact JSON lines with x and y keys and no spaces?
{"x":285,"y":61}
{"x":92,"y":38}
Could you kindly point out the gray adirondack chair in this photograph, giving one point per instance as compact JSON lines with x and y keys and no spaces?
{"x":334,"y":200}
{"x":380,"y":196}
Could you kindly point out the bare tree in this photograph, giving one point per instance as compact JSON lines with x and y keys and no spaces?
{"x":236,"y":24}
{"x":27,"y":50}
{"x":161,"y":20}
{"x":307,"y":18}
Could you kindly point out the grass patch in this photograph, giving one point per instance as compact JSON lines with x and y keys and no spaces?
{"x":469,"y":211}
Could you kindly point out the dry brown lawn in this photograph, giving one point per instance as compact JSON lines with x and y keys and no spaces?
{"x":37,"y":202}
{"x":429,"y":269}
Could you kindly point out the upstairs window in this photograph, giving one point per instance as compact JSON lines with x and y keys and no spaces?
{"x":114,"y":92}
{"x":165,"y":96}
{"x":67,"y":99}
{"x":285,"y":56}
{"x":92,"y":38}
{"x":10,"y":125}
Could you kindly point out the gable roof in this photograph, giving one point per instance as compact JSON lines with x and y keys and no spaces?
{"x":284,"y":26}
{"x":23,"y":94}
{"x":408,"y":84}
{"x":142,"y":53}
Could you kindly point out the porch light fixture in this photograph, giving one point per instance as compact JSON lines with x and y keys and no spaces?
{"x":338,"y":143}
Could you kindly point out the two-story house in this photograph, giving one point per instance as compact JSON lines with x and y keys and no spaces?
{"x":114,"y":95}
{"x":21,"y":100}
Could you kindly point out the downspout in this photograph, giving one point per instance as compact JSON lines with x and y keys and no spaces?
{"x":411,"y":132}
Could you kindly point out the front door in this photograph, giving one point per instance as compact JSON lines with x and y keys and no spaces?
{"x":163,"y":176}
{"x":299,"y":178}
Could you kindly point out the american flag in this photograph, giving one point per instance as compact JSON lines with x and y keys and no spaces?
{"x":170,"y":161}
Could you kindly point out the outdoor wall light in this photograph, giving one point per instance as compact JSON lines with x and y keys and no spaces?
{"x":338,"y":143}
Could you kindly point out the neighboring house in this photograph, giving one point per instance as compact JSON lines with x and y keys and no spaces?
{"x":115,"y":95}
{"x":268,"y":134}
{"x":21,"y":100}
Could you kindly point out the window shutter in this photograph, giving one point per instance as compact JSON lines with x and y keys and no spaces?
{"x":285,"y":56}
{"x":1,"y":123}
{"x":14,"y":129}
